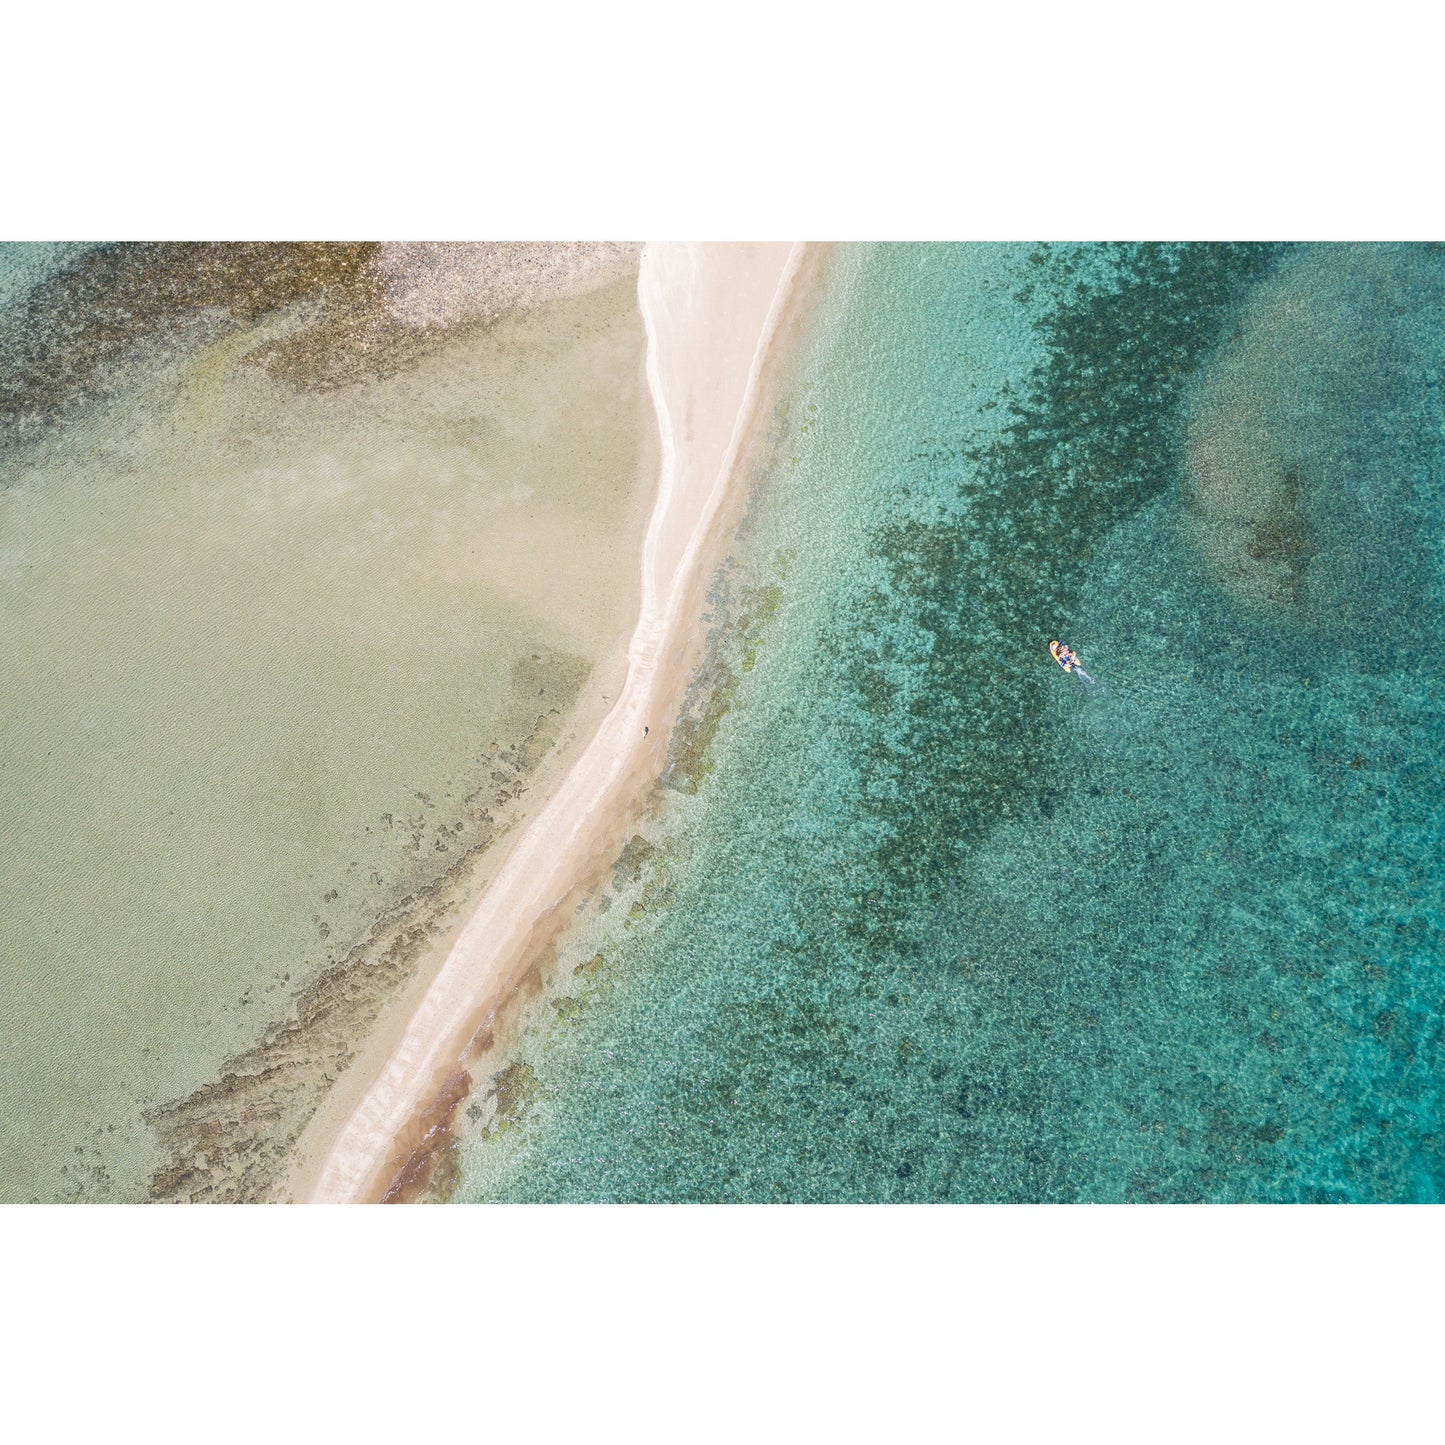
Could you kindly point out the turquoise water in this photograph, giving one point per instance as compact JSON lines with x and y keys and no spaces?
{"x":922,"y":918}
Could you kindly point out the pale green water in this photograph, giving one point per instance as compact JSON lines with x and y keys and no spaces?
{"x":257,"y":644}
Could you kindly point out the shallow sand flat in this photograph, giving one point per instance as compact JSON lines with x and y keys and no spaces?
{"x":713,"y":315}
{"x":275,"y":663}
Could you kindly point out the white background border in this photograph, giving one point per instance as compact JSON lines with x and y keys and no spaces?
{"x":899,"y":121}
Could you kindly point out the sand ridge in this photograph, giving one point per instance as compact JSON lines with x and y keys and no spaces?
{"x":712,"y":313}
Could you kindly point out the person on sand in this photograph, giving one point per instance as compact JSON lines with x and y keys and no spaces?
{"x":645,"y":731}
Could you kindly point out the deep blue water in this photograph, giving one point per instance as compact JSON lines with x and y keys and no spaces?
{"x":918,"y":916}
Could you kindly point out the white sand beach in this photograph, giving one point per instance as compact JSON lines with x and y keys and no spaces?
{"x":715,"y":317}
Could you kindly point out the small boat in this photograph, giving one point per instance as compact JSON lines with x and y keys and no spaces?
{"x":1068,"y":659}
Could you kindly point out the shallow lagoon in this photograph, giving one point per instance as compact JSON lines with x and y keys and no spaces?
{"x":276,"y":660}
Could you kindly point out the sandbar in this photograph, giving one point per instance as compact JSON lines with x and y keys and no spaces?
{"x":716,"y":318}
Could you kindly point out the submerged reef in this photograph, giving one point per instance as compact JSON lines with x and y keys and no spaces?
{"x":730,"y":653}
{"x":946,"y":656}
{"x":370,"y":309}
{"x":234,"y":1139}
{"x":1303,"y":456}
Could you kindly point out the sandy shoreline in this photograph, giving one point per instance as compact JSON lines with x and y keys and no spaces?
{"x":714,"y":315}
